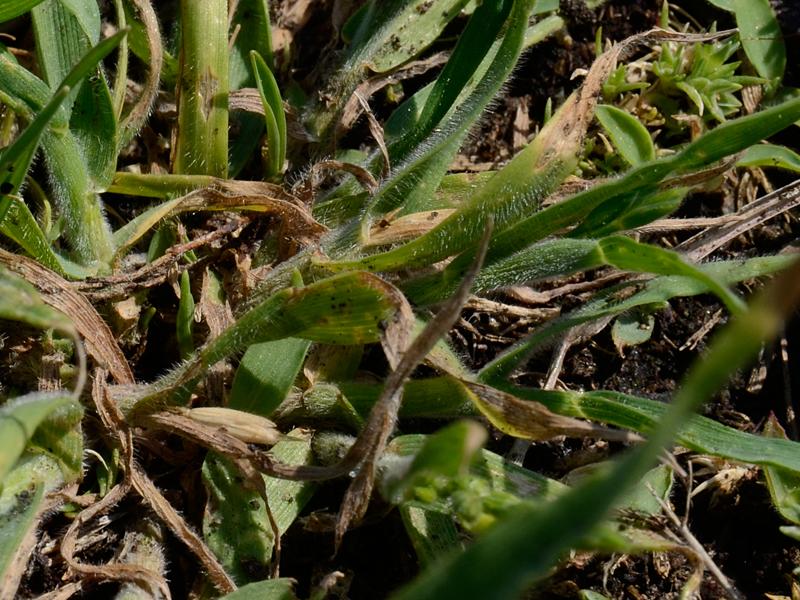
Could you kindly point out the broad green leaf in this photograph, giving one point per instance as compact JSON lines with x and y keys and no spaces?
{"x":770,"y":155}
{"x":19,"y":419}
{"x":274,"y":116}
{"x":270,"y":589}
{"x":627,"y":133}
{"x":761,"y":38}
{"x":236,"y":526}
{"x":266,"y":374}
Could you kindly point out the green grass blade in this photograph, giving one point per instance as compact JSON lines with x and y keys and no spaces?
{"x":629,"y":136}
{"x":274,"y":115}
{"x":770,"y":155}
{"x":236,"y":526}
{"x":202,"y":142}
{"x":266,"y":374}
{"x":11,"y":9}
{"x":351,"y":308}
{"x":726,"y":139}
{"x":184,"y":320}
{"x":15,"y":160}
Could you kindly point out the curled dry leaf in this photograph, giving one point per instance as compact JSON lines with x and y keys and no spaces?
{"x":298,"y":227}
{"x":244,"y":426}
{"x":531,"y":420}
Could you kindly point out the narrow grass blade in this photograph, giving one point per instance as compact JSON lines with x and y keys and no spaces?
{"x":616,"y":301}
{"x":629,"y":136}
{"x":783,"y":485}
{"x":266,"y":374}
{"x":184,"y":320}
{"x":274,"y":115}
{"x":770,"y":155}
{"x":729,"y":138}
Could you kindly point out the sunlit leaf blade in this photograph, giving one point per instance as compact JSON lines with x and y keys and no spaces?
{"x":351,"y":308}
{"x":627,"y":133}
{"x":19,"y":419}
{"x":770,"y":155}
{"x":266,"y":374}
{"x":388,"y":35}
{"x":726,"y":139}
{"x":11,"y":9}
